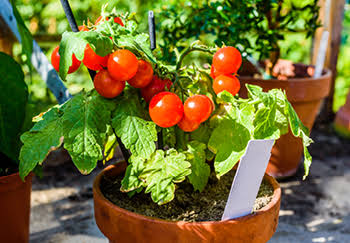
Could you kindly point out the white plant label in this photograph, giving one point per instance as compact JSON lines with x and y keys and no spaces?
{"x":249,"y":175}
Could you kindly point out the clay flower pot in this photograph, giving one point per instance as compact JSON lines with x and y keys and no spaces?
{"x":342,"y":119}
{"x":305,"y":95}
{"x":120,"y":225}
{"x":15,"y":208}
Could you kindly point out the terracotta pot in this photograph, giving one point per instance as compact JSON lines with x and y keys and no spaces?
{"x":342,"y":119}
{"x":15,"y":208}
{"x":305,"y":95}
{"x":120,"y":225}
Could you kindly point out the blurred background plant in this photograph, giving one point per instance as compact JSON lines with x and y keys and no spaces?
{"x":239,"y":23}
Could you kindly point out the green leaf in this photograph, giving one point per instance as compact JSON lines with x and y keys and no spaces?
{"x":137,"y":134}
{"x":131,"y":180}
{"x":85,"y":121}
{"x":299,"y":130}
{"x":46,"y":135}
{"x":140,"y":42}
{"x":281,"y":119}
{"x":162,"y":171}
{"x":202,"y":133}
{"x":26,"y":37}
{"x":75,"y":43}
{"x":264,"y":123}
{"x":13,"y":102}
{"x":228,"y":141}
{"x":200,"y":169}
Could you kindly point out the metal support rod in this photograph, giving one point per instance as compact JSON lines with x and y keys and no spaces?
{"x":152,"y":38}
{"x":152,"y":29}
{"x":73,"y":25}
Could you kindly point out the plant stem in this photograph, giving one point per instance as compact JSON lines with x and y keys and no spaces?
{"x":125,"y":152}
{"x":188,"y":51}
{"x":160,"y":139}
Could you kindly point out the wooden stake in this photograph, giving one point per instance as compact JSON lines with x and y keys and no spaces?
{"x":335,"y":28}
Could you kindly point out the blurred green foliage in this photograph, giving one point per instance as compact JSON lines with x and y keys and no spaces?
{"x":342,"y":84}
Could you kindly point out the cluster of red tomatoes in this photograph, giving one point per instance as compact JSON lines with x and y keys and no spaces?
{"x":226,"y":62}
{"x":116,"y":68}
{"x":165,"y":108}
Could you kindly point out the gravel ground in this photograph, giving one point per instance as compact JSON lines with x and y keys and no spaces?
{"x":314,"y":210}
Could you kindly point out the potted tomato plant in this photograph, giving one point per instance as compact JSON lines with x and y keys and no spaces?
{"x":14,"y":193}
{"x":260,"y":29}
{"x":179,"y":130}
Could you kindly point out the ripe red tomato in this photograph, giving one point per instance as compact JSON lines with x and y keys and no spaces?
{"x":213,"y":72}
{"x":106,"y":86}
{"x":198,"y":108}
{"x":55,"y":61}
{"x":154,"y":87}
{"x":226,"y":82}
{"x":122,"y":65}
{"x":227,"y":60}
{"x":83,"y":28}
{"x":143,"y":75}
{"x":166,"y":109}
{"x":116,"y":20}
{"x":93,"y":61}
{"x":187,"y":125}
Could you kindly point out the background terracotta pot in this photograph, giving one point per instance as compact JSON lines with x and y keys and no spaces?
{"x":15,"y":208}
{"x":305,"y":95}
{"x":120,"y":225}
{"x":342,"y":119}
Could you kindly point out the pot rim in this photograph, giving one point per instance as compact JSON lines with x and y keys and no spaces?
{"x":97,"y":193}
{"x":13,"y":181}
{"x":327,"y":73}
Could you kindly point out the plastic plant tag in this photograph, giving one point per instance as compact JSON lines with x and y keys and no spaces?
{"x":249,"y":175}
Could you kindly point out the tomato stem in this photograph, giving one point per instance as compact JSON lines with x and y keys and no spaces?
{"x":125,"y":152}
{"x":160,"y":139}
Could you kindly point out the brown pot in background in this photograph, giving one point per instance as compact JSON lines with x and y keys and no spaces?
{"x":306,"y":96}
{"x":120,"y":225}
{"x":15,"y":208}
{"x":342,"y":119}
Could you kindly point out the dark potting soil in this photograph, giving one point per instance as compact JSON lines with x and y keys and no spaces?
{"x":187,"y":205}
{"x":7,"y":166}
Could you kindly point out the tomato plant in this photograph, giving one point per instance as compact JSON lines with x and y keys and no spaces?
{"x":227,"y":60}
{"x":93,"y":61}
{"x":115,"y":19}
{"x":106,"y":86}
{"x":143,"y":75}
{"x":198,"y":108}
{"x":155,"y":86}
{"x":181,"y":99}
{"x":122,"y":65}
{"x":226,"y":82}
{"x":188,"y":125}
{"x":55,"y":61}
{"x":166,"y":109}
